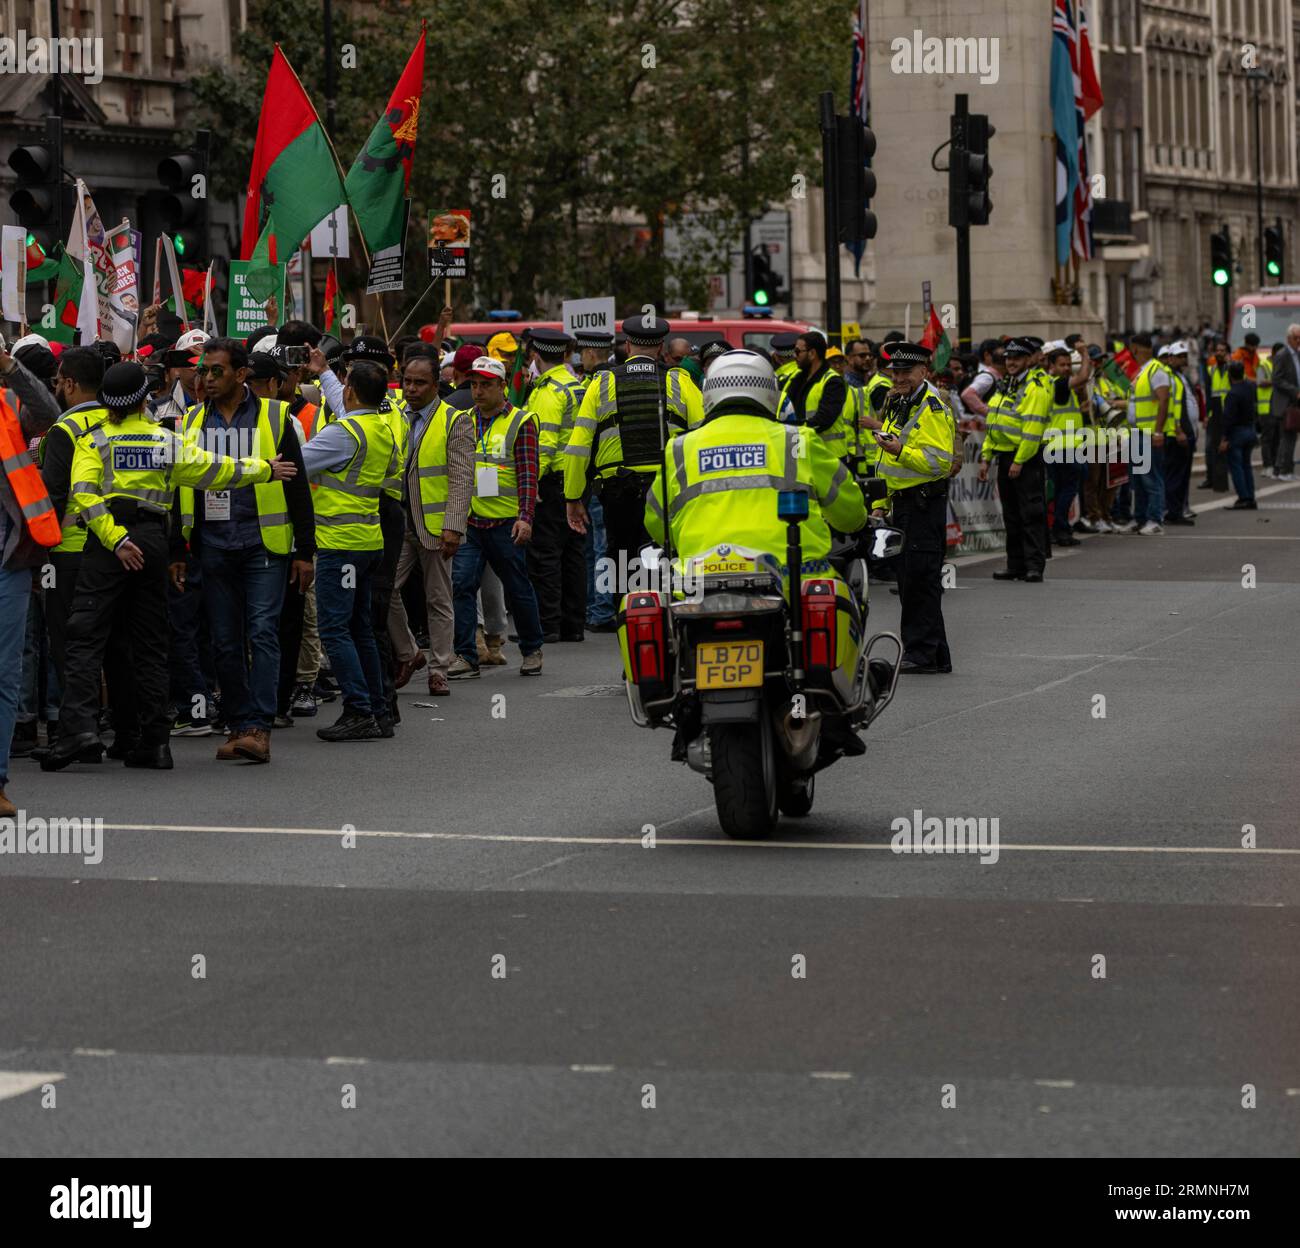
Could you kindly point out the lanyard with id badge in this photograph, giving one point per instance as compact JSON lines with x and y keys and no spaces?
{"x":485,"y":475}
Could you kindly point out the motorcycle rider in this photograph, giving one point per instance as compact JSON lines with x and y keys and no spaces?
{"x":723,"y":477}
{"x":724,"y":474}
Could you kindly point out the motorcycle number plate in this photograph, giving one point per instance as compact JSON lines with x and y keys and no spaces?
{"x":729,"y":665}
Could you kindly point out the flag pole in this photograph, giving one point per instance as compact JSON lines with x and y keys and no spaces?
{"x":415,"y":305}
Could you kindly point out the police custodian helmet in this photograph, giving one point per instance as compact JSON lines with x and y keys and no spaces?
{"x":744,"y":381}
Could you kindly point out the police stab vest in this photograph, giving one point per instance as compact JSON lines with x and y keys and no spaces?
{"x":640,"y":393}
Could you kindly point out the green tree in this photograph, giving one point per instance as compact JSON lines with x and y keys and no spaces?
{"x":575,"y":133}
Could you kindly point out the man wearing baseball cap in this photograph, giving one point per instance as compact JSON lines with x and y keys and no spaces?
{"x":500,"y":520}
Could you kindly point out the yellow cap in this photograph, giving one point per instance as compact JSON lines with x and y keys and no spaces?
{"x":502,"y":346}
{"x":832,"y":352}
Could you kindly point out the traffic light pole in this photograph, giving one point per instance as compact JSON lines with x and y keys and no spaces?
{"x":830,"y":219}
{"x":1227,"y":292}
{"x":1257,"y":75}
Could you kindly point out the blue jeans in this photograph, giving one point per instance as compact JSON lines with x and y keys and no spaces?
{"x":1241,"y":442}
{"x":1149,"y":489}
{"x":34,"y":706}
{"x":244,"y":591}
{"x":600,"y":607}
{"x":343,"y":580}
{"x":191,"y":682}
{"x":15,"y":595}
{"x":493,"y":548}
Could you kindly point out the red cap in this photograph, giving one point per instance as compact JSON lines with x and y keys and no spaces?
{"x":465,"y":356}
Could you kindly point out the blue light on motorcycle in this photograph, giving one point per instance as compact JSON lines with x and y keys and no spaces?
{"x":792,"y":505}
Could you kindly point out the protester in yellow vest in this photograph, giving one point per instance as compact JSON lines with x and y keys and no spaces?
{"x":1149,"y":407}
{"x":1063,"y":443}
{"x":351,"y":458}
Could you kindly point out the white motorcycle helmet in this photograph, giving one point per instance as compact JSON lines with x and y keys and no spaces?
{"x":744,"y":381}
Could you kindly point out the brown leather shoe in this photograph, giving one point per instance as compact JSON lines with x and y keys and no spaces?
{"x":226,"y":753}
{"x":254,"y":745}
{"x":407,"y":668}
{"x":7,"y":809}
{"x":438,"y":685}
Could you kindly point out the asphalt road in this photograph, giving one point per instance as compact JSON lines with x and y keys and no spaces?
{"x":644,"y":1000}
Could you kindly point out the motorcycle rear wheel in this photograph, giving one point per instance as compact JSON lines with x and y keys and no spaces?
{"x":795,"y":795}
{"x":744,"y":781}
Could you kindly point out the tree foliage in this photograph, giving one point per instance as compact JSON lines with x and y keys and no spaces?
{"x":575,"y":133}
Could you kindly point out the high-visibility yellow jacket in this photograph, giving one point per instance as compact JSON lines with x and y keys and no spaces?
{"x":924,"y":425}
{"x":347,"y":498}
{"x":73,"y":424}
{"x":496,"y":449}
{"x":1146,"y":402}
{"x":723,"y":481}
{"x":595,"y":437}
{"x":430,"y":455}
{"x":1065,"y":426}
{"x":554,"y":401}
{"x":1018,"y":412}
{"x":140,"y":460}
{"x":1263,"y":386}
{"x":272,"y":510}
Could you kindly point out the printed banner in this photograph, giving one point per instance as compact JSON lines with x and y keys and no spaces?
{"x":449,"y":243}
{"x":974,"y":504}
{"x":388,"y":264}
{"x":244,"y":313}
{"x":124,"y":297}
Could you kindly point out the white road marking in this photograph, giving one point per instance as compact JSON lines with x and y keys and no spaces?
{"x":1219,"y":503}
{"x":16,"y":1082}
{"x":94,"y":1052}
{"x":1054,"y":1083}
{"x":634,"y":842}
{"x":591,"y":1070}
{"x":347,"y":1061}
{"x":831,"y":1074}
{"x":1233,"y":537}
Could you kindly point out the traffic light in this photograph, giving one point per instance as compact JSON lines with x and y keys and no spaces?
{"x":38,"y":201}
{"x":183,"y":202}
{"x":1221,"y":257}
{"x":855,"y":145}
{"x":1274,"y":250}
{"x":969,"y":170}
{"x":762,"y":281}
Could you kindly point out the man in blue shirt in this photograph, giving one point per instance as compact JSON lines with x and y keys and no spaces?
{"x":235,"y":535}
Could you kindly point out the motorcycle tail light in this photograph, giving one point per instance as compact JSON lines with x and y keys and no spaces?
{"x":820,"y":623}
{"x":645,"y":618}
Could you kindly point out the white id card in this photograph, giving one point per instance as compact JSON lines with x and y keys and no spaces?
{"x":485,"y":484}
{"x":216,"y":505}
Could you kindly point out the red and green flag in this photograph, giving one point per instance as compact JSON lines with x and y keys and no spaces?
{"x":935,"y":340}
{"x":380,"y":177}
{"x":1124,"y":358}
{"x":294,"y":183}
{"x":67,"y":300}
{"x":517,"y":389}
{"x":193,"y":294}
{"x":331,"y":298}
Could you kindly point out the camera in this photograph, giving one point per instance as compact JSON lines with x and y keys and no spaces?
{"x":296,"y":357}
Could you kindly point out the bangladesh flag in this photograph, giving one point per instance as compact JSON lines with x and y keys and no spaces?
{"x":67,"y":301}
{"x":193,"y":292}
{"x":1124,"y":358}
{"x":517,"y":387}
{"x":935,"y":340}
{"x":380,"y":177}
{"x":294,"y":183}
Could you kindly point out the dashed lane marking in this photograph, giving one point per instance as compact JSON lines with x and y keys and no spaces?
{"x":17,"y":1082}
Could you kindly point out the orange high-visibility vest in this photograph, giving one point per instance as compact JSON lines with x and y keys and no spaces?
{"x":307,"y":419}
{"x":25,"y":479}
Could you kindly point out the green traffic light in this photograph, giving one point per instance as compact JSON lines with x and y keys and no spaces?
{"x":760,"y":298}
{"x":178,"y":241}
{"x":1220,"y":277}
{"x":1274,"y":269}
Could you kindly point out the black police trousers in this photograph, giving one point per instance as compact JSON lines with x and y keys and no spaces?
{"x":59,"y":597}
{"x":924,"y":521}
{"x":557,"y":563}
{"x":623,"y":500}
{"x":1024,"y":512}
{"x":104,"y":589}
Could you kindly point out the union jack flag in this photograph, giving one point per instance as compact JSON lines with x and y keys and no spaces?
{"x":860,"y":97}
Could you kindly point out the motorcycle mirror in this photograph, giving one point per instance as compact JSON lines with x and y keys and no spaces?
{"x":650,"y":557}
{"x":886,"y":542}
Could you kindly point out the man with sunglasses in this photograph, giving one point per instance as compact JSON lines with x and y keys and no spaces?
{"x":250,"y":544}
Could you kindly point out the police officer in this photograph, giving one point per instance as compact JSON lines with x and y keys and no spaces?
{"x":124,"y":474}
{"x":1018,"y":414}
{"x":782,"y":352}
{"x":557,"y":560}
{"x":618,"y":440}
{"x":594,"y":349}
{"x":917,"y":456}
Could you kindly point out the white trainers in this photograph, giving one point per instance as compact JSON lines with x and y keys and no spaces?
{"x":1102,"y":526}
{"x":1129,"y":526}
{"x":1285,"y":476}
{"x":1151,"y":529}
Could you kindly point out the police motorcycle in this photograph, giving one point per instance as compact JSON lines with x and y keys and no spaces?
{"x":763,"y":683}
